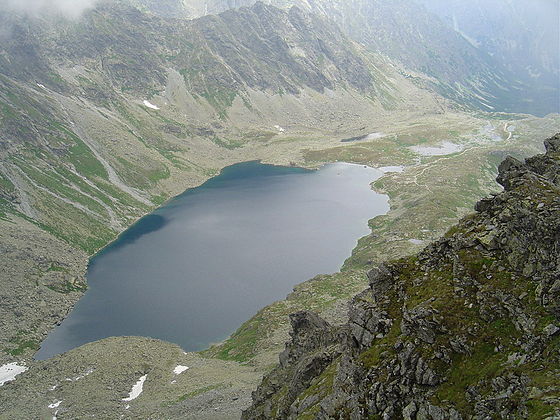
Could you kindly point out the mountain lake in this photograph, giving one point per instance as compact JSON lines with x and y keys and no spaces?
{"x":195,"y":269}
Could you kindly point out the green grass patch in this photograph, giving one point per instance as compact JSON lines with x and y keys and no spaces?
{"x":81,"y":156}
{"x":538,"y":409}
{"x":52,"y":181}
{"x":68,"y":287}
{"x":466,"y":370}
{"x":382,"y":348}
{"x":20,"y":344}
{"x":57,"y":268}
{"x":198,"y":392}
{"x":241,"y":346}
{"x":227,"y":144}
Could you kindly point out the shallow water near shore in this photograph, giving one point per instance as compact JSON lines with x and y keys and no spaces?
{"x":195,"y":269}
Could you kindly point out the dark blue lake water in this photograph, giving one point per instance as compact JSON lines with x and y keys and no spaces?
{"x":194,"y":270}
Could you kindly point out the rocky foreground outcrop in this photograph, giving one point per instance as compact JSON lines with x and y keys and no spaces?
{"x":468,"y":328}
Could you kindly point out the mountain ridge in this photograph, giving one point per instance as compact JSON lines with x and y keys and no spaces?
{"x":494,"y":73}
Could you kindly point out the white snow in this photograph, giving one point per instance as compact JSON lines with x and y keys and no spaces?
{"x":445,"y":148}
{"x":10,"y":371}
{"x":77,"y":378}
{"x":416,"y":241}
{"x":56,"y":404}
{"x":150,"y":105}
{"x":41,"y":86}
{"x":388,"y":169}
{"x":179,"y":369}
{"x":136,"y":389}
{"x":373,"y":136}
{"x":280,"y":129}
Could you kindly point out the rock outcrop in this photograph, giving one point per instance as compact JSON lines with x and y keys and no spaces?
{"x":467,"y":329}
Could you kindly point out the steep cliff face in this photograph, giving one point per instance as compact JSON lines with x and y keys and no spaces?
{"x":468,"y":328}
{"x":260,"y":47}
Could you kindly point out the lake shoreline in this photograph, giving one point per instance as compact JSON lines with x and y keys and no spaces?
{"x":208,"y":185}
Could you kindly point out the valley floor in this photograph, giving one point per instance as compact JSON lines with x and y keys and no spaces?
{"x":429,"y":192}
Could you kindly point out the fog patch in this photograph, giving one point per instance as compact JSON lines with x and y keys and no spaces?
{"x":67,"y":8}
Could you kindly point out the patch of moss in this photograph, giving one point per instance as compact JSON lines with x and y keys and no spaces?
{"x":382,"y":348}
{"x":22,"y":344}
{"x":81,"y":155}
{"x":68,"y":287}
{"x":199,"y":391}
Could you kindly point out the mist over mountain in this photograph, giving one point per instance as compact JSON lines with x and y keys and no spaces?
{"x":522,"y":37}
{"x":69,"y":8}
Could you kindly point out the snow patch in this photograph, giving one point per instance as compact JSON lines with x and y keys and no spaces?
{"x":55,"y":404}
{"x":445,"y":148}
{"x":389,"y":169}
{"x":416,"y":241}
{"x":10,"y":371}
{"x":41,"y":86}
{"x":136,"y":389}
{"x":150,"y":105}
{"x":179,"y":369}
{"x":77,"y":378}
{"x":374,"y":136}
{"x":280,"y":129}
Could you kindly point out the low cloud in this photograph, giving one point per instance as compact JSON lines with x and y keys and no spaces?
{"x":68,"y":8}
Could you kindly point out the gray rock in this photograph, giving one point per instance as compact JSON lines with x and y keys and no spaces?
{"x":551,"y":330}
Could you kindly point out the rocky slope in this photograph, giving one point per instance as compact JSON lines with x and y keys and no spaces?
{"x":468,"y":328}
{"x":492,"y":56}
